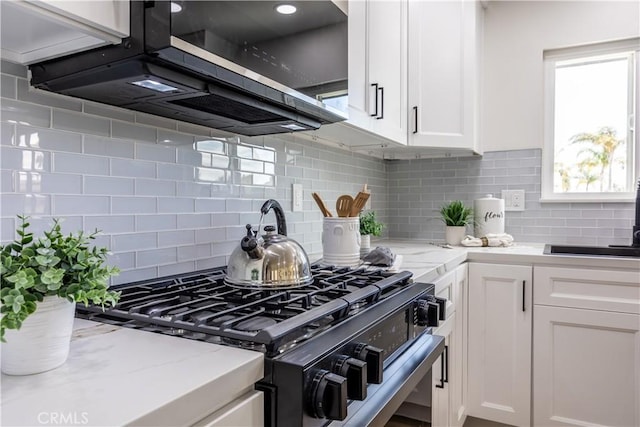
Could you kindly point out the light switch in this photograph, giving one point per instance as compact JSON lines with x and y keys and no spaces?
{"x":296,"y":205}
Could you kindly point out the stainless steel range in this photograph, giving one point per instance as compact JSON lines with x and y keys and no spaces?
{"x":345,"y":349}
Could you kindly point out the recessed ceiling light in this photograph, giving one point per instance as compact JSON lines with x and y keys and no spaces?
{"x":286,"y":9}
{"x":175,"y":7}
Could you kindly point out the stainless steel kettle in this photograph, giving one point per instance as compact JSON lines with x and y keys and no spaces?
{"x":270,"y":261}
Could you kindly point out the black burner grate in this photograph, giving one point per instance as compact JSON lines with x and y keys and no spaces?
{"x":200,"y":305}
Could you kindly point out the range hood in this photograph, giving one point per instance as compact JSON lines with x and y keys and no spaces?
{"x":157,"y":72}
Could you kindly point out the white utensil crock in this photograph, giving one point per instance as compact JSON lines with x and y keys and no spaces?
{"x":42,"y":343}
{"x":341,"y":241}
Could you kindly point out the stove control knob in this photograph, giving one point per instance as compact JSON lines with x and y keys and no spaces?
{"x":373,"y":356}
{"x":355,"y":371}
{"x":327,"y":395}
{"x":427,"y":313}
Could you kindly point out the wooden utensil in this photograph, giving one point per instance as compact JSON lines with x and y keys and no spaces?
{"x":358,"y":203}
{"x":343,"y":205}
{"x":321,"y":205}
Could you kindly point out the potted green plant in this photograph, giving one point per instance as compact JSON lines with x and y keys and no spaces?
{"x":42,"y":279}
{"x":369,"y":226}
{"x":456,"y":216}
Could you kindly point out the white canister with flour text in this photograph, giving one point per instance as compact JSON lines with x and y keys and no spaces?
{"x":488,"y":216}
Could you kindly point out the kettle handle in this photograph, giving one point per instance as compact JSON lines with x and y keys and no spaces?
{"x":277,"y":209}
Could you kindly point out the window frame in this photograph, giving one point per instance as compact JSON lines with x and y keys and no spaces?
{"x":551,"y":57}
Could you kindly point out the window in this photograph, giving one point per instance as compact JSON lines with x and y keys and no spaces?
{"x":590,"y":102}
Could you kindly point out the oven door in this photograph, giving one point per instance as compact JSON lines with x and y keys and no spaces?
{"x":400,"y":378}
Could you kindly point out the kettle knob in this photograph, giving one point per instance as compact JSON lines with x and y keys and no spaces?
{"x":249,"y":244}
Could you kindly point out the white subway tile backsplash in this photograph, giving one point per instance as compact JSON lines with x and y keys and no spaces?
{"x":167,"y":137}
{"x":24,"y":113}
{"x":7,"y":230}
{"x":176,"y":238}
{"x":24,"y":160}
{"x":155,"y":121}
{"x":156,"y":222}
{"x":109,"y":185}
{"x":156,"y":153}
{"x":156,"y":257}
{"x":48,"y":139}
{"x":211,"y":235}
{"x":197,"y":220}
{"x":177,"y":268}
{"x":133,"y":168}
{"x":107,"y":147}
{"x":194,"y":252}
{"x":175,"y":204}
{"x":211,"y":205}
{"x":176,"y":172}
{"x":78,"y":163}
{"x":7,"y":134}
{"x":81,"y":123}
{"x":80,"y":205}
{"x":38,"y":182}
{"x":7,"y":181}
{"x":151,"y":187}
{"x":42,"y":97}
{"x":110,"y":224}
{"x":135,"y":132}
{"x":7,"y":86}
{"x":134,"y":205}
{"x":25,"y":204}
{"x":134,"y":242}
{"x":192,"y":189}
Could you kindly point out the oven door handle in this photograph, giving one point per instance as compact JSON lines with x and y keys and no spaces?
{"x":400,"y":378}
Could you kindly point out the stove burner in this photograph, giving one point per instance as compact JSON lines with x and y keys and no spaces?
{"x":201,"y":306}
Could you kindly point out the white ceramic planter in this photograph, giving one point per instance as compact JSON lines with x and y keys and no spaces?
{"x":455,"y":234}
{"x":42,"y":343}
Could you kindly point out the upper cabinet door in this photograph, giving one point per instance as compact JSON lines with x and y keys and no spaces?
{"x":443,"y":44}
{"x":377,"y":67}
{"x":34,"y":31}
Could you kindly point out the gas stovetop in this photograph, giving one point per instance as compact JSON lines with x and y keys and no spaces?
{"x":201,"y":306}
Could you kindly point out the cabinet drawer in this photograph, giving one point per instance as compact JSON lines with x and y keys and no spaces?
{"x":610,"y":290}
{"x":446,"y":288}
{"x":247,"y":411}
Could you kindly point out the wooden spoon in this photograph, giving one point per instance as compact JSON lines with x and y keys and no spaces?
{"x":358,"y":203}
{"x":343,"y":205}
{"x":321,"y":204}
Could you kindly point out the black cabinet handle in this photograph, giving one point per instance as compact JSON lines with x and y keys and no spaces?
{"x":381,"y":116}
{"x":442,"y":380}
{"x":446,"y":358}
{"x":415,"y":119}
{"x":375,"y":86}
{"x":523,"y":294}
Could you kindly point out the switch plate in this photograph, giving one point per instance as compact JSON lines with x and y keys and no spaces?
{"x":513,"y":200}
{"x":296,"y":205}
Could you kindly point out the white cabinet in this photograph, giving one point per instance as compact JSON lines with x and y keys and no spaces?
{"x":499,"y":340}
{"x":586,"y":347}
{"x":441,"y":398}
{"x":443,"y":66}
{"x":34,"y":31}
{"x":377,"y":67}
{"x":246,"y":411}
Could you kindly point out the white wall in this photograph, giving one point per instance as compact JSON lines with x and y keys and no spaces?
{"x":516,"y":34}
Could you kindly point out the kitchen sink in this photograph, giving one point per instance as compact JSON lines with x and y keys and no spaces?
{"x":625,"y":251}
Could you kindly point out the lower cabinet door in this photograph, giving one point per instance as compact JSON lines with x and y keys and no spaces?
{"x":441,"y":375}
{"x":586,"y":367}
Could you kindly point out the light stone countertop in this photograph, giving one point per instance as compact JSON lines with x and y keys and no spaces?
{"x":427,"y":261}
{"x":118,"y":376}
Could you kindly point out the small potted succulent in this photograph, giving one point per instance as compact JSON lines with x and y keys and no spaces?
{"x":456,"y":216}
{"x":42,"y":279}
{"x":369,"y":226}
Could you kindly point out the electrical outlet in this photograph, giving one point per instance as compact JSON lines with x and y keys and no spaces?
{"x":513,"y":200}
{"x":296,"y":205}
